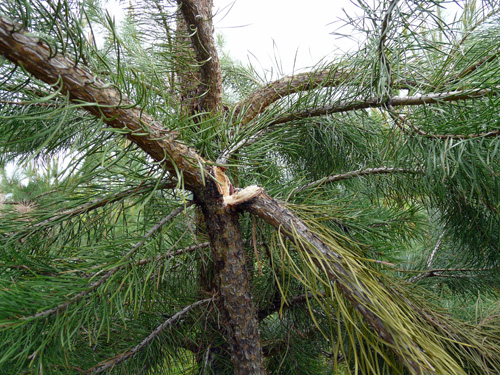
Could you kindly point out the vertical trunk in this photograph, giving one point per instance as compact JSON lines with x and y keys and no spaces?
{"x":233,"y":285}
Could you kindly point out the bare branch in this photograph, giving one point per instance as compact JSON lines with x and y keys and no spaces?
{"x":442,"y":272}
{"x":198,"y":16}
{"x":383,"y":60}
{"x":263,"y":97}
{"x":358,"y":173}
{"x":436,"y":248}
{"x":398,"y":101}
{"x":112,"y":271}
{"x":103,"y":366}
{"x":102,"y":100}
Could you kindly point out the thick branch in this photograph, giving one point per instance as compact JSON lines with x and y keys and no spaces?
{"x":265,"y":96}
{"x":198,"y":18}
{"x":358,"y":173}
{"x":127,"y":355}
{"x":102,"y":100}
{"x":353,"y":289}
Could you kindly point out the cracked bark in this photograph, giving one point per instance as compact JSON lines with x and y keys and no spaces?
{"x":101,"y":100}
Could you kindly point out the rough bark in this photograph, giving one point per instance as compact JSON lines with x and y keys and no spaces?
{"x":198,"y":21}
{"x":102,"y":100}
{"x":233,"y":284}
{"x":260,"y":99}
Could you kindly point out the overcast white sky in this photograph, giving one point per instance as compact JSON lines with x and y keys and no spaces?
{"x":261,"y":30}
{"x":277,"y":35}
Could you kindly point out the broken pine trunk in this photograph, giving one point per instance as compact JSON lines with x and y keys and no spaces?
{"x":363,"y":303}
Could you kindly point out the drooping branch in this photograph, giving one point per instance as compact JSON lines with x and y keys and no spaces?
{"x":359,"y":294}
{"x":265,"y":96}
{"x":198,"y":17}
{"x":102,"y":100}
{"x":354,"y":174}
{"x":103,"y":366}
{"x":94,"y":285}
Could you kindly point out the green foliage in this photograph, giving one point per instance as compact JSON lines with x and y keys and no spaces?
{"x":100,"y":246}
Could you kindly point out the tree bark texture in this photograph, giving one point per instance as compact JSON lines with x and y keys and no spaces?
{"x":197,"y":17}
{"x":233,"y":284}
{"x":104,"y":101}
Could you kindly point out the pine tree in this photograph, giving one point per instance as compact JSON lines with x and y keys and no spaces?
{"x":208,"y":221}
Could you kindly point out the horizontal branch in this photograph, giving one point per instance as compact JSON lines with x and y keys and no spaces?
{"x":103,"y":366}
{"x":441,"y":272}
{"x":354,"y":174}
{"x":101,"y":99}
{"x":112,"y":271}
{"x":398,"y":101}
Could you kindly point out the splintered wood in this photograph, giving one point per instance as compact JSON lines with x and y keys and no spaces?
{"x":230,"y":195}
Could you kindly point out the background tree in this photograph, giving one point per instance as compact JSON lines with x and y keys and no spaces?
{"x":212,"y":222}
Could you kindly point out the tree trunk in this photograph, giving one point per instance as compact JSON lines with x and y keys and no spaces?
{"x":232,"y":282}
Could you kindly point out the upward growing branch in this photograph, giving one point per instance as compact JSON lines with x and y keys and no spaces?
{"x":265,"y":96}
{"x":199,"y":22}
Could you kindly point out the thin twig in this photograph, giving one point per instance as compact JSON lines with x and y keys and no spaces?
{"x":438,"y":272}
{"x":111,"y":272}
{"x":354,"y":174}
{"x":126,"y":355}
{"x":433,"y":254}
{"x":96,"y":203}
{"x":398,"y":101}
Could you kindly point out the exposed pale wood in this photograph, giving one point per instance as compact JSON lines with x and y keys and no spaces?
{"x":233,"y":284}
